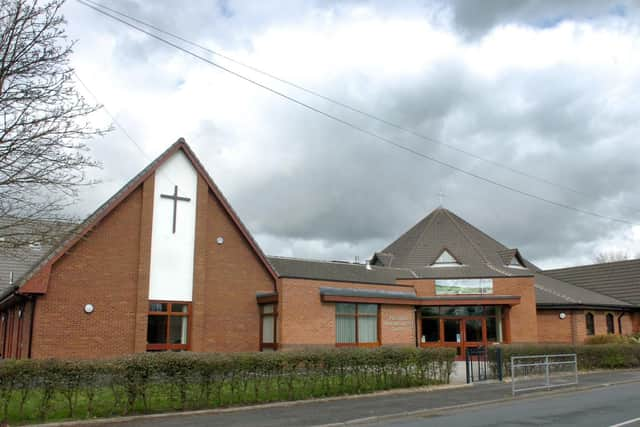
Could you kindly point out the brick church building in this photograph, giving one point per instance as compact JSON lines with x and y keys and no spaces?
{"x":166,"y":264}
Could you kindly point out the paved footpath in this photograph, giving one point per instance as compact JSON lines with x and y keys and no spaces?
{"x":367,"y":408}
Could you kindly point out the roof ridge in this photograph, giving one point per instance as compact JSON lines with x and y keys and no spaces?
{"x":424,"y":229}
{"x":598,"y":264}
{"x":337,"y":262}
{"x":492,"y":267}
{"x":473,"y":244}
{"x":409,"y":229}
{"x":558,"y":294}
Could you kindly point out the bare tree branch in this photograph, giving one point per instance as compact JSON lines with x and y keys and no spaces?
{"x":44,"y":124}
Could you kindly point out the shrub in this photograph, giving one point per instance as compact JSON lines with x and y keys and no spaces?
{"x":153,"y":382}
{"x":609,"y":339}
{"x":590,"y":356}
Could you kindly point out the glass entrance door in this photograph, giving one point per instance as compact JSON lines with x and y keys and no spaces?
{"x":474,"y":333}
{"x":452,"y":334}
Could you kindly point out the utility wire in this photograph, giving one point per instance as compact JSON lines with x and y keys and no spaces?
{"x":117,"y":123}
{"x":334,"y":101}
{"x":356,"y":127}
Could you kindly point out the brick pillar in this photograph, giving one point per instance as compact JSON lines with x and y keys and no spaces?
{"x":199,"y":268}
{"x":144,"y":263}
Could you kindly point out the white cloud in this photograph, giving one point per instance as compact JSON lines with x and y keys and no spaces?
{"x":557,"y":101}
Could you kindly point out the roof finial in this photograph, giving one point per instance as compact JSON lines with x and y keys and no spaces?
{"x":441,"y":196}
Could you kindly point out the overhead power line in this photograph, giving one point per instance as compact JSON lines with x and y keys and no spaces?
{"x":354,"y":126}
{"x":346,"y":106}
{"x":117,"y":123}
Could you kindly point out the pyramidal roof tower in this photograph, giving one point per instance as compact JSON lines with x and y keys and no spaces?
{"x":442,"y":240}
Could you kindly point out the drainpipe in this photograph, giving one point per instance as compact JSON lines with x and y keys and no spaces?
{"x":415,"y":326}
{"x":620,"y":322}
{"x":33,"y":313}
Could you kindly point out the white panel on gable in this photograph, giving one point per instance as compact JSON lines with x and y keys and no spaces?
{"x":172,"y":251}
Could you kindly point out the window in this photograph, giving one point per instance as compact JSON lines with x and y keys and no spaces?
{"x":268,"y":316}
{"x":168,"y":326}
{"x":610,"y":327}
{"x":464,"y":286}
{"x":515,"y":262}
{"x":589,"y":323}
{"x":357,"y":324}
{"x":445,"y":260}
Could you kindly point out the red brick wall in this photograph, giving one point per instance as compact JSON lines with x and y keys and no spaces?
{"x":226,"y":314}
{"x":101,"y":269}
{"x":523,"y":326}
{"x":306,"y":321}
{"x":552,"y":329}
{"x":573,"y":329}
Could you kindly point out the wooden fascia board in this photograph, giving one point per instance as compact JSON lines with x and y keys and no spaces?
{"x":512,"y":300}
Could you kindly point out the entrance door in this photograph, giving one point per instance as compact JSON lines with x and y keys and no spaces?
{"x":474,"y":333}
{"x":452,"y":334}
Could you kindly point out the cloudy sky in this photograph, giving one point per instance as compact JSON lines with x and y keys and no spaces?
{"x":550,"y":89}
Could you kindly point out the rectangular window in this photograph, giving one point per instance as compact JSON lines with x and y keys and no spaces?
{"x":464,"y":286}
{"x":168,"y":326}
{"x":268,"y":314}
{"x":357,"y":324}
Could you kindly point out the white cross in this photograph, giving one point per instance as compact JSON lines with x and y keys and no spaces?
{"x":441,"y":195}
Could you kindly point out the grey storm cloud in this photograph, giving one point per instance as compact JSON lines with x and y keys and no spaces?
{"x":474,"y":19}
{"x":339,"y":193}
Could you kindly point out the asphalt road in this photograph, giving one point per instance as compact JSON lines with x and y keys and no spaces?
{"x":615,"y":405}
{"x":607,"y":404}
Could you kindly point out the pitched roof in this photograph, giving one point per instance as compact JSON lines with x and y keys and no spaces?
{"x":620,"y":279}
{"x":16,"y":262}
{"x":554,"y":292}
{"x":336,"y":271}
{"x":94,"y":219}
{"x":418,"y":248}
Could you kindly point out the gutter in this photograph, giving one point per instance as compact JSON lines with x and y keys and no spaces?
{"x":584,"y":307}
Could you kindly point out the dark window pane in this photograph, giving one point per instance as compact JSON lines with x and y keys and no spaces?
{"x":490,"y":310}
{"x":610,"y":329}
{"x":157,"y":330}
{"x":179,"y":308}
{"x":430,"y":330}
{"x":156,"y":306}
{"x":451,"y":330}
{"x":473,"y":330}
{"x":472,"y":310}
{"x":430,"y":311}
{"x":492,"y":329}
{"x":178,"y":330}
{"x":589,"y":324}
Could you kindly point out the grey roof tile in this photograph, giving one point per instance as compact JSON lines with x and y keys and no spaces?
{"x":419,"y":247}
{"x":620,"y":279}
{"x":551,"y":291}
{"x":333,"y":271}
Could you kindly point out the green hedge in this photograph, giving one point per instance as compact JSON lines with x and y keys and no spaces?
{"x":590,"y":357}
{"x":33,"y":390}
